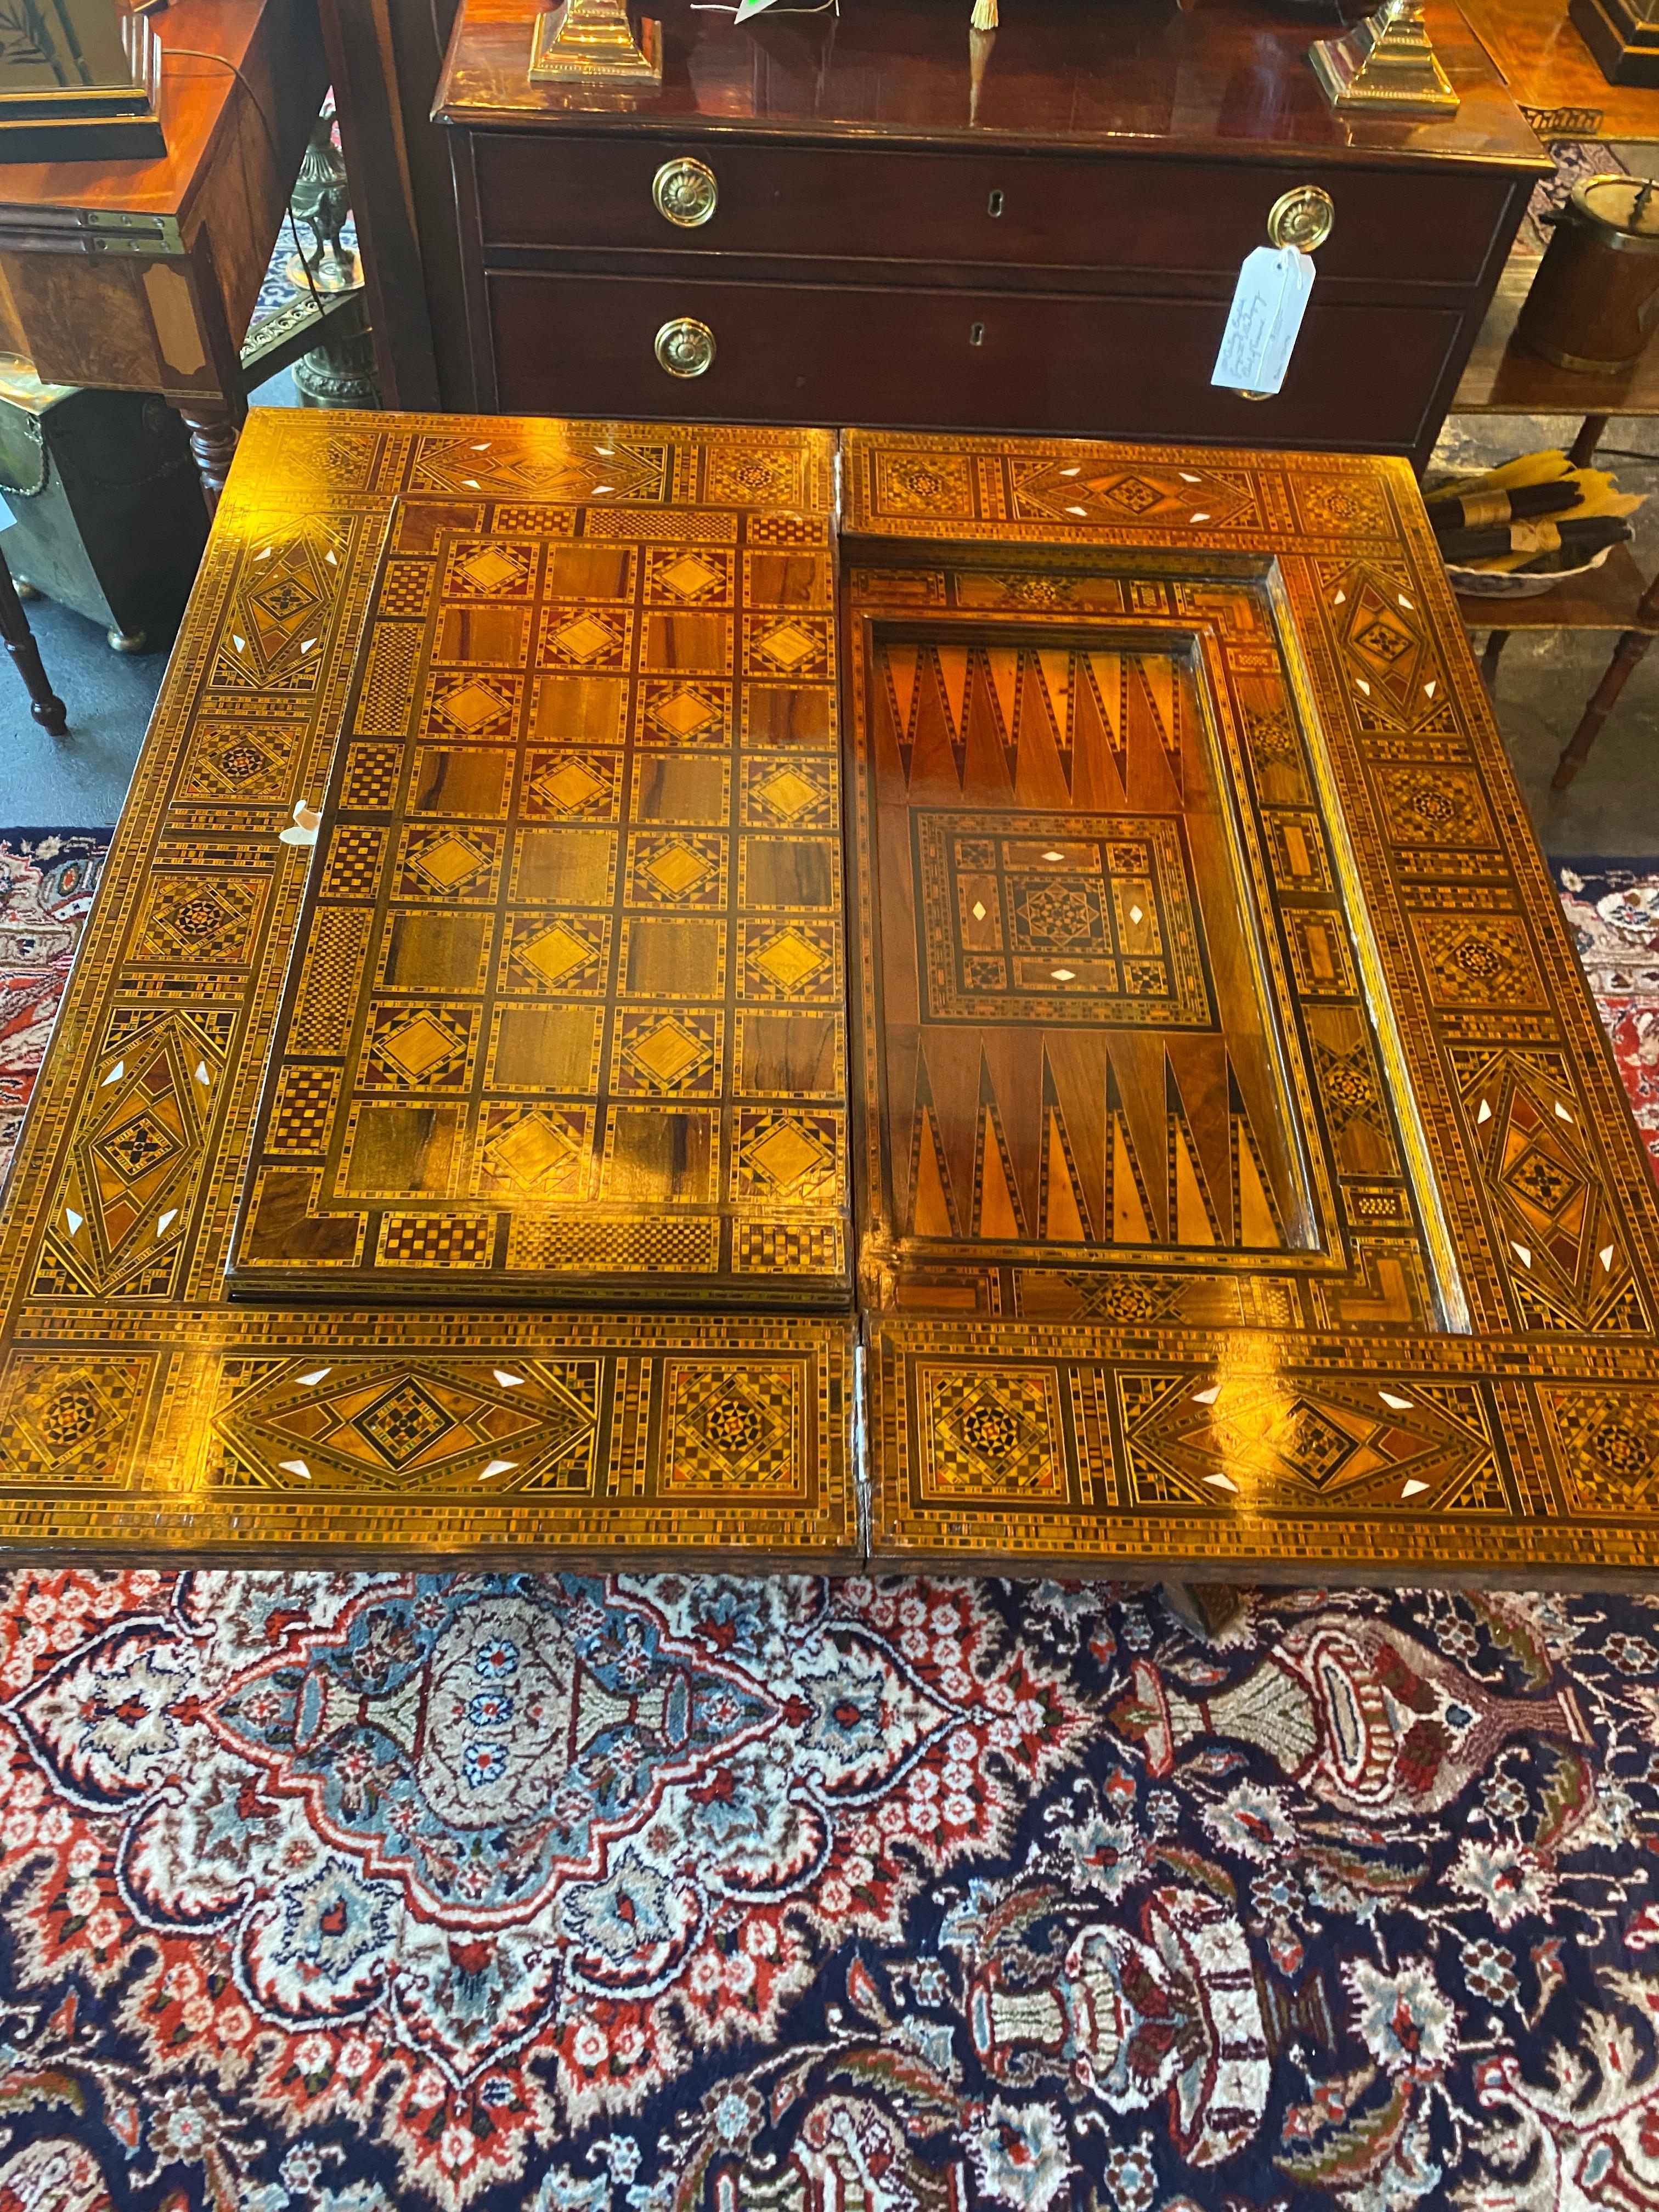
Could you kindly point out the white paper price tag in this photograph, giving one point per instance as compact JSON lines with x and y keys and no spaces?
{"x":1265,"y":317}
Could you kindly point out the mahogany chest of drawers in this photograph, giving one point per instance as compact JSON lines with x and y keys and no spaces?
{"x":883,"y":218}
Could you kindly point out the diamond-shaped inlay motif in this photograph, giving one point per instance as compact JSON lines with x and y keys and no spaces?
{"x":472,"y":706}
{"x":789,"y":959}
{"x":137,"y":1146}
{"x":1133,"y":493}
{"x":201,"y":916}
{"x":285,"y":597}
{"x":1543,"y":1181}
{"x":418,"y":1047}
{"x":585,"y":638}
{"x":556,"y":953}
{"x":491,"y":570}
{"x":788,"y":1153}
{"x":1313,"y":1445}
{"x":536,"y":1149}
{"x":690,"y":576}
{"x":406,"y":1421}
{"x":686,"y":713}
{"x":789,"y":793}
{"x":570,"y":786}
{"x":240,"y":760}
{"x":668,"y":1053}
{"x":787,"y":647}
{"x":448,"y":860}
{"x":677,"y":868}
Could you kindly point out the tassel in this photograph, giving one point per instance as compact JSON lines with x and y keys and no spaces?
{"x":984,"y":17}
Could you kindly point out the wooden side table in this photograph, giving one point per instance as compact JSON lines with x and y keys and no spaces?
{"x":141,"y":276}
{"x":1504,"y":377}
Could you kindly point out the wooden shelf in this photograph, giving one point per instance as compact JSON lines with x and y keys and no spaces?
{"x":1606,"y":599}
{"x":1504,"y":377}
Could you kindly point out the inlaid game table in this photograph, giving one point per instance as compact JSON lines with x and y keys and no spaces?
{"x":950,"y":1000}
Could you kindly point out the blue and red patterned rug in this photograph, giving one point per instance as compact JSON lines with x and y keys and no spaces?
{"x":552,"y":1893}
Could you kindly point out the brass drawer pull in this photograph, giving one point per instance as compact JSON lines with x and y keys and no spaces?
{"x":685,"y":347}
{"x":1304,"y":218}
{"x":685,"y":192}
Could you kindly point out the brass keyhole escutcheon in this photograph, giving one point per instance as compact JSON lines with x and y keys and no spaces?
{"x":1304,"y":218}
{"x":685,"y":347}
{"x":685,"y":192}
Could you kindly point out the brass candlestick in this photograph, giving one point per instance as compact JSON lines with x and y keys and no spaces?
{"x":1385,"y":64}
{"x":591,"y":42}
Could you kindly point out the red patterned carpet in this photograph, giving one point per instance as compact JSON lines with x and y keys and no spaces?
{"x":47,"y":878}
{"x":1613,"y":910}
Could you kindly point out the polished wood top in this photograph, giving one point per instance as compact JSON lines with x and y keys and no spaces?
{"x":1555,"y":76}
{"x":1137,"y":72}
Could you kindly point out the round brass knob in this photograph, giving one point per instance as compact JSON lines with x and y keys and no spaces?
{"x":1304,"y":218}
{"x":685,"y":192}
{"x":685,"y":347}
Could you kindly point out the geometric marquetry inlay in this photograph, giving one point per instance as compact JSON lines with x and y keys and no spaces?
{"x":969,"y":1000}
{"x":570,"y":966}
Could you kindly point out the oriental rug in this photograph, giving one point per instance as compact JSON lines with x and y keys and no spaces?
{"x":47,"y":878}
{"x":339,"y":1894}
{"x":1613,"y":910}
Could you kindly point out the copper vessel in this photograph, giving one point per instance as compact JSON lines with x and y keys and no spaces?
{"x":1595,"y":298}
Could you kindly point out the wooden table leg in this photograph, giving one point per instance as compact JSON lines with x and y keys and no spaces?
{"x":48,"y":708}
{"x":213,"y":434}
{"x":1591,"y":432}
{"x":1625,"y":654}
{"x":1495,"y":641}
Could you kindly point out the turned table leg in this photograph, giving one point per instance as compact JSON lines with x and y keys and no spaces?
{"x":48,"y":708}
{"x":213,"y":434}
{"x":1626,"y":655}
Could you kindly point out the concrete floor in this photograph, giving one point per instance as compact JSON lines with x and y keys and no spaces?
{"x":1612,"y":811}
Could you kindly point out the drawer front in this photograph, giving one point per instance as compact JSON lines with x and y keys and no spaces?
{"x":1361,"y":376}
{"x":1431,"y":226}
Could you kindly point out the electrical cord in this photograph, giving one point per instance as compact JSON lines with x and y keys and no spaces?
{"x":199,"y":54}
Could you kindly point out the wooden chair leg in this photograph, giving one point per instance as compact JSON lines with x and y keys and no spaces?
{"x":1495,"y":641}
{"x":1625,"y":654}
{"x":1591,"y":432}
{"x":48,"y":708}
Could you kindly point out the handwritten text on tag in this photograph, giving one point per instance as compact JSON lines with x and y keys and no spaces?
{"x":1266,"y":315}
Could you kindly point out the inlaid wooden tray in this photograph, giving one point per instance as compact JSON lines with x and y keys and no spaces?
{"x":1245,"y":1180}
{"x":565,"y":1017}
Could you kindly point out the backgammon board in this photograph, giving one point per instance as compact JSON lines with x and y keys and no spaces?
{"x":949,"y":999}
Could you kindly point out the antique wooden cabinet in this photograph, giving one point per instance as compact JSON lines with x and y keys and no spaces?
{"x":952,"y":999}
{"x":879,"y":217}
